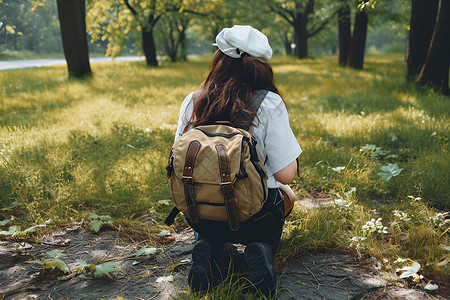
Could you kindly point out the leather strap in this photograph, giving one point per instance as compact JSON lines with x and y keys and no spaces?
{"x":227,"y":188}
{"x":188,"y":181}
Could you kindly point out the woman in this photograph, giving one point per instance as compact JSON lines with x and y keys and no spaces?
{"x":238,"y":70}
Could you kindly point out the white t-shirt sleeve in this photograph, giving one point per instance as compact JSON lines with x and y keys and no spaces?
{"x":185,"y":114}
{"x":281,"y":145}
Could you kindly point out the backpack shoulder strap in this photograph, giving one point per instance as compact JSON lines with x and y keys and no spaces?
{"x":257,"y":99}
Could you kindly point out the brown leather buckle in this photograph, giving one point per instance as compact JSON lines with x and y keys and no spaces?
{"x":227,"y":188}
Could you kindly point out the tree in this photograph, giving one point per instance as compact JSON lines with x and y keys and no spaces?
{"x":72,"y":17}
{"x":344,"y":31}
{"x":435,"y":71}
{"x":148,"y":16}
{"x":119,"y":18}
{"x":358,"y":40}
{"x":305,"y":20}
{"x":352,"y":47}
{"x":423,"y":21}
{"x":173,"y":27}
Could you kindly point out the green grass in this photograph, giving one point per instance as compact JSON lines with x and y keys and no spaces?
{"x":72,"y":147}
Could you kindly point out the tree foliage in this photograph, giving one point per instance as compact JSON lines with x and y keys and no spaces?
{"x":113,"y":20}
{"x":29,"y":25}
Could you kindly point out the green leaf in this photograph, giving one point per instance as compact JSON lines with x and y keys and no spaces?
{"x":95,"y":225}
{"x":56,"y":263}
{"x":393,"y":137}
{"x":93,"y":216}
{"x":105,"y":218}
{"x":13,"y":230}
{"x":82,"y":262}
{"x":146,"y":251}
{"x":377,"y":152}
{"x":164,"y":233}
{"x":105,"y":269}
{"x":55,"y":253}
{"x":4,"y":222}
{"x":389,"y":171}
{"x":369,"y":147}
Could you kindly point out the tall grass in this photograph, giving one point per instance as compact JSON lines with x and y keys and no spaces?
{"x":71,"y":147}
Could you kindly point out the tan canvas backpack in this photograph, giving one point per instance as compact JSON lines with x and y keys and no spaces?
{"x":215,"y":173}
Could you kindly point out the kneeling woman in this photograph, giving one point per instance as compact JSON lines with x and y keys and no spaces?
{"x":238,"y":70}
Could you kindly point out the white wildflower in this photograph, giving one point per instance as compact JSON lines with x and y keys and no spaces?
{"x":357,"y":241}
{"x":400,"y":260}
{"x":401,"y":215}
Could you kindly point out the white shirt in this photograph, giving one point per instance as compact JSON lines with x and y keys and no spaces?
{"x":276,"y":143}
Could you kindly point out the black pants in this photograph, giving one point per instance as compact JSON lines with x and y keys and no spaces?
{"x":266,"y":226}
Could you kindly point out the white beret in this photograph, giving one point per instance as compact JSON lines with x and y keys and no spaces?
{"x":244,"y":39}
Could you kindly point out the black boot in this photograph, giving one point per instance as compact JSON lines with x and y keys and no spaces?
{"x":262,"y":276}
{"x":205,"y":272}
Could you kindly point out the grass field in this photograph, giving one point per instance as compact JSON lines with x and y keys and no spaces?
{"x":69,"y":148}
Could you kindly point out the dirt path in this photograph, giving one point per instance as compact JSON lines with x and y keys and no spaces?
{"x":312,"y":276}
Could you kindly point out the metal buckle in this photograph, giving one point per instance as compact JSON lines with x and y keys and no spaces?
{"x":187,"y":180}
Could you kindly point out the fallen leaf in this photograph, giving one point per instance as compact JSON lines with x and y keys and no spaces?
{"x":56,"y":263}
{"x":431,"y":287}
{"x":4,"y":222}
{"x":106,"y":268}
{"x":165,"y":279}
{"x":410,"y":270}
{"x":146,"y":251}
{"x":12,"y":230}
{"x":164,"y":233}
{"x":55,"y":253}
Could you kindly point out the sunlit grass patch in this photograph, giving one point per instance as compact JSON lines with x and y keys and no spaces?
{"x":72,"y":147}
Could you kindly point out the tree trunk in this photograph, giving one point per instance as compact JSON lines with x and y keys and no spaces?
{"x":15,"y":42}
{"x":183,"y":46}
{"x":148,"y":45}
{"x":436,"y":67}
{"x":358,"y":41}
{"x":72,"y":16}
{"x":301,"y":36}
{"x":287,"y":44}
{"x":423,"y":20}
{"x":344,"y":33}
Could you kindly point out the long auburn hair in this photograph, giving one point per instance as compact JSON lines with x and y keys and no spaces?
{"x":227,"y":91}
